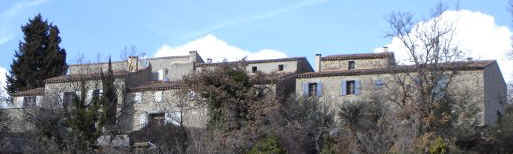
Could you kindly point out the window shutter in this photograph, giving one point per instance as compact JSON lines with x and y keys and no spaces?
{"x":357,"y":86}
{"x":138,"y":97}
{"x":89,"y":96}
{"x":158,"y":96}
{"x":38,"y":100}
{"x":319,"y":88}
{"x":61,"y":97}
{"x":19,"y":102}
{"x":79,"y":95}
{"x":343,"y":87}
{"x":305,"y":89}
{"x":167,"y":118}
{"x":143,"y":119}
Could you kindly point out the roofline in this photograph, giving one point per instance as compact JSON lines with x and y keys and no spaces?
{"x":122,"y":61}
{"x":30,"y":92}
{"x":358,"y":56}
{"x":253,"y":61}
{"x":393,"y":69}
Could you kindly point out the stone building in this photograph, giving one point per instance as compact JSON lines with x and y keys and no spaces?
{"x":360,"y":77}
{"x":148,"y":88}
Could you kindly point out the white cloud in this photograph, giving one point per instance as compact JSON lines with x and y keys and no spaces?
{"x":3,"y":79}
{"x":210,"y":46}
{"x":477,"y":35}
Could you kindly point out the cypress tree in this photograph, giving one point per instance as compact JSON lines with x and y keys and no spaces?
{"x":38,"y":57}
{"x":109,"y":98}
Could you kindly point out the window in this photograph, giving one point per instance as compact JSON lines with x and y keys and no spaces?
{"x":379,"y":83}
{"x":29,"y":101}
{"x":350,"y":87}
{"x":68,"y":99}
{"x":138,"y":98}
{"x":254,"y":69}
{"x":174,"y":118}
{"x":97,"y":93}
{"x":157,"y":119}
{"x":280,"y":67}
{"x":351,"y":65}
{"x":162,"y":73}
{"x":158,"y":96}
{"x":312,"y":89}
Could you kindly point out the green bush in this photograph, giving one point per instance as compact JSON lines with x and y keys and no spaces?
{"x":267,"y":145}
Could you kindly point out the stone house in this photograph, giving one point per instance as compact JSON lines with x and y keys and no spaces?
{"x":147,"y":88}
{"x":360,"y":77}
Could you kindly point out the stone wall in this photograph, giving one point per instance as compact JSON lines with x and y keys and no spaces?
{"x":170,"y":103}
{"x":468,"y":84}
{"x":495,"y":92}
{"x":340,"y":65}
{"x":54,"y":90}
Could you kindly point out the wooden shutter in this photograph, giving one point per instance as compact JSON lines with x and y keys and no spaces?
{"x":357,"y":86}
{"x":343,"y":87}
{"x":143,"y":119}
{"x":319,"y":88}
{"x":305,"y":89}
{"x":89,"y":96}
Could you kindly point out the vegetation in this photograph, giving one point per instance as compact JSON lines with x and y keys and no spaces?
{"x":38,"y":57}
{"x":421,"y":116}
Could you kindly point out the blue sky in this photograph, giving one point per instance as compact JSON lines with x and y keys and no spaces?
{"x":294,"y":27}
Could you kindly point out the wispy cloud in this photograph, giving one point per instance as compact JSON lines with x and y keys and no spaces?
{"x":16,"y":8}
{"x":7,"y":15}
{"x":266,"y":15}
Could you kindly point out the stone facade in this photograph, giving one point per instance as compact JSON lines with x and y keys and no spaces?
{"x":477,"y":82}
{"x":149,"y":86}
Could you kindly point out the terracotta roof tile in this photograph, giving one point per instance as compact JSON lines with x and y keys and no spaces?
{"x":358,"y":56}
{"x":473,"y":65}
{"x":30,"y":92}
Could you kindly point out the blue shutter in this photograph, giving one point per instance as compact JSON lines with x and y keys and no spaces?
{"x":305,"y":89}
{"x":343,"y":86}
{"x":356,"y":87}
{"x":319,"y":88}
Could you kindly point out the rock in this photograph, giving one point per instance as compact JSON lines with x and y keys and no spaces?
{"x":121,"y":141}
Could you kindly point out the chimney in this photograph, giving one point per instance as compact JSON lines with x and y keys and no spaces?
{"x":193,"y":56}
{"x":318,"y":62}
{"x":133,"y":63}
{"x":385,"y":49}
{"x":209,"y":60}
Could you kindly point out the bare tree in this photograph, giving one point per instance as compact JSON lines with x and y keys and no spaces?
{"x":425,"y":96}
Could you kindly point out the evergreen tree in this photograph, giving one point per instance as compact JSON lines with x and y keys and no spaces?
{"x":38,"y":57}
{"x":109,"y":98}
{"x":83,"y":120}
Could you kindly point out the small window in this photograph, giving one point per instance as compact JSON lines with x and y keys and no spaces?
{"x":157,"y":119}
{"x":138,"y":98}
{"x":97,"y":93}
{"x":174,"y":118}
{"x":68,"y":99}
{"x":379,"y":83}
{"x":350,"y":87}
{"x":158,"y":96}
{"x":254,"y":69}
{"x":29,"y":101}
{"x":312,"y":89}
{"x":351,"y":65}
{"x":280,"y":67}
